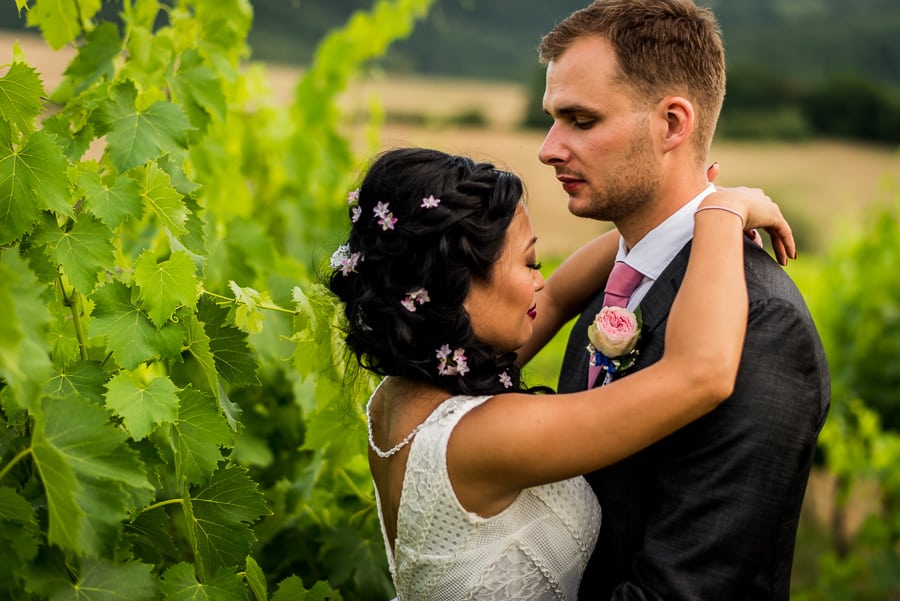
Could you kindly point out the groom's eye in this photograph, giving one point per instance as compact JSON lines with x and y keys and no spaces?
{"x":583,"y":123}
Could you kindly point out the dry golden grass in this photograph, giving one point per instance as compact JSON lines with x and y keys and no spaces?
{"x":823,"y":186}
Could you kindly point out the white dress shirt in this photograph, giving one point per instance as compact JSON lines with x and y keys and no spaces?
{"x":656,"y":250}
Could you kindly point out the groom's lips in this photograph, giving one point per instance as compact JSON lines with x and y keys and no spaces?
{"x":570,"y":184}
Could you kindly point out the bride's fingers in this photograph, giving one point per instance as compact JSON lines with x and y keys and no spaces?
{"x":783,"y":242}
{"x":780,"y":252}
{"x":787,"y":244}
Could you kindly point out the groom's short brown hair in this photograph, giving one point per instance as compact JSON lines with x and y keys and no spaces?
{"x":663,"y":47}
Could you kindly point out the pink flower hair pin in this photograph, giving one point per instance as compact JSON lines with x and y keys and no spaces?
{"x":353,"y":201}
{"x":431,"y":202}
{"x":505,"y":380}
{"x":386,"y":219}
{"x":457,"y":357}
{"x":416,"y":297}
{"x":344,"y":260}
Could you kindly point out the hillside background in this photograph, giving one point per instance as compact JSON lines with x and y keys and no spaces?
{"x":497,"y":39}
{"x":802,"y":40}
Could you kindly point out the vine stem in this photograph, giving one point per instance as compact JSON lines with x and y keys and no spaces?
{"x":343,"y":474}
{"x":74,"y":303}
{"x":234,"y":301}
{"x":19,"y":457}
{"x":163,"y":504}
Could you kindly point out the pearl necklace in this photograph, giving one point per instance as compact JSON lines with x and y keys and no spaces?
{"x":393,"y":450}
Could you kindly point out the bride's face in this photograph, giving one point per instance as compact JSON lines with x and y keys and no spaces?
{"x":502,"y":308}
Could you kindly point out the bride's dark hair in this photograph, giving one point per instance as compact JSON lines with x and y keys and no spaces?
{"x":440,"y":249}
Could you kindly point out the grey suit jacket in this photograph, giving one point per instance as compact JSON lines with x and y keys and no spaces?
{"x":711,"y":512}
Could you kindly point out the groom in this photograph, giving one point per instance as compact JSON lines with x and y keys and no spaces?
{"x":710,"y":513}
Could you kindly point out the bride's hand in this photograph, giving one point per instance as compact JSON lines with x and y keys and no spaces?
{"x":759,"y":211}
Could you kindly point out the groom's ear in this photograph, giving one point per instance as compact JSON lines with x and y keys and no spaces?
{"x":677,"y":113}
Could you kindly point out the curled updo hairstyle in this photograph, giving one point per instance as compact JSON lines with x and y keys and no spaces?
{"x":440,"y":249}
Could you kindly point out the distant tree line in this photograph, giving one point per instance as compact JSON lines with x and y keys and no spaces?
{"x":796,"y":69}
{"x":844,"y":105}
{"x":763,"y":105}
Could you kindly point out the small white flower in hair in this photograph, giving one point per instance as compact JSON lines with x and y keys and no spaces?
{"x":416,"y":297}
{"x":345,"y":260}
{"x":431,"y":202}
{"x":457,"y":357}
{"x":386,"y":219}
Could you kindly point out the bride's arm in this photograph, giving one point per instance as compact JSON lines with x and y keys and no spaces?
{"x":568,"y":290}
{"x":516,"y":440}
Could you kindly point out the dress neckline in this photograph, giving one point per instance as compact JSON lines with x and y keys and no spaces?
{"x":394,"y":449}
{"x":384,"y":454}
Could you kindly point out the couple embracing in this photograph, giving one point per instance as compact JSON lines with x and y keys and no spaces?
{"x":694,"y":442}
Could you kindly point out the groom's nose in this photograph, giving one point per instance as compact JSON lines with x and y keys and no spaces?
{"x":552,"y":150}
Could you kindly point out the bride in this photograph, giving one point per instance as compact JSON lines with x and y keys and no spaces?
{"x":477,"y":476}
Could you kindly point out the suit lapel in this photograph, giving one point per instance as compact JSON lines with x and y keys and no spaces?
{"x":657,"y":303}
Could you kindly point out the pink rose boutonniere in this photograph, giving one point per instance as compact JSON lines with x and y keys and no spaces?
{"x":614,"y":334}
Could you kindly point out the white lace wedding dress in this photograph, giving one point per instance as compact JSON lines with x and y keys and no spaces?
{"x":535,"y":549}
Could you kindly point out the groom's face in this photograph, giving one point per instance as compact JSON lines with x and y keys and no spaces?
{"x":599,"y":142}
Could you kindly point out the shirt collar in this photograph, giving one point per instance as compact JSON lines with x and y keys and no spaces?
{"x":656,"y":250}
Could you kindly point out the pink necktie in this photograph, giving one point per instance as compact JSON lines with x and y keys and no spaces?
{"x":621,"y":284}
{"x":623,"y":279}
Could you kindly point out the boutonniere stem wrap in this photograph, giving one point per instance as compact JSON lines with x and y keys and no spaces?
{"x":613,"y":336}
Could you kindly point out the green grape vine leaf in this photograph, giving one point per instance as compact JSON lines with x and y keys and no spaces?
{"x":24,"y":360}
{"x":61,"y":21}
{"x":84,"y":379}
{"x":112,"y":202}
{"x":95,"y":58}
{"x":102,"y":580}
{"x":20,"y":97}
{"x":21,"y":535}
{"x":131,"y":336}
{"x":164,"y":199}
{"x":142,"y":405}
{"x":234,"y":360}
{"x":136,"y":137}
{"x":256,"y":579}
{"x":166,"y":285}
{"x":32,"y":177}
{"x":72,"y":455}
{"x":292,"y":589}
{"x":197,"y":434}
{"x":180,"y":583}
{"x":219,"y":515}
{"x":84,"y":250}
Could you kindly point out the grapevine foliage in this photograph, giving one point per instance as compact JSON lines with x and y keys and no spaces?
{"x":176,"y":422}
